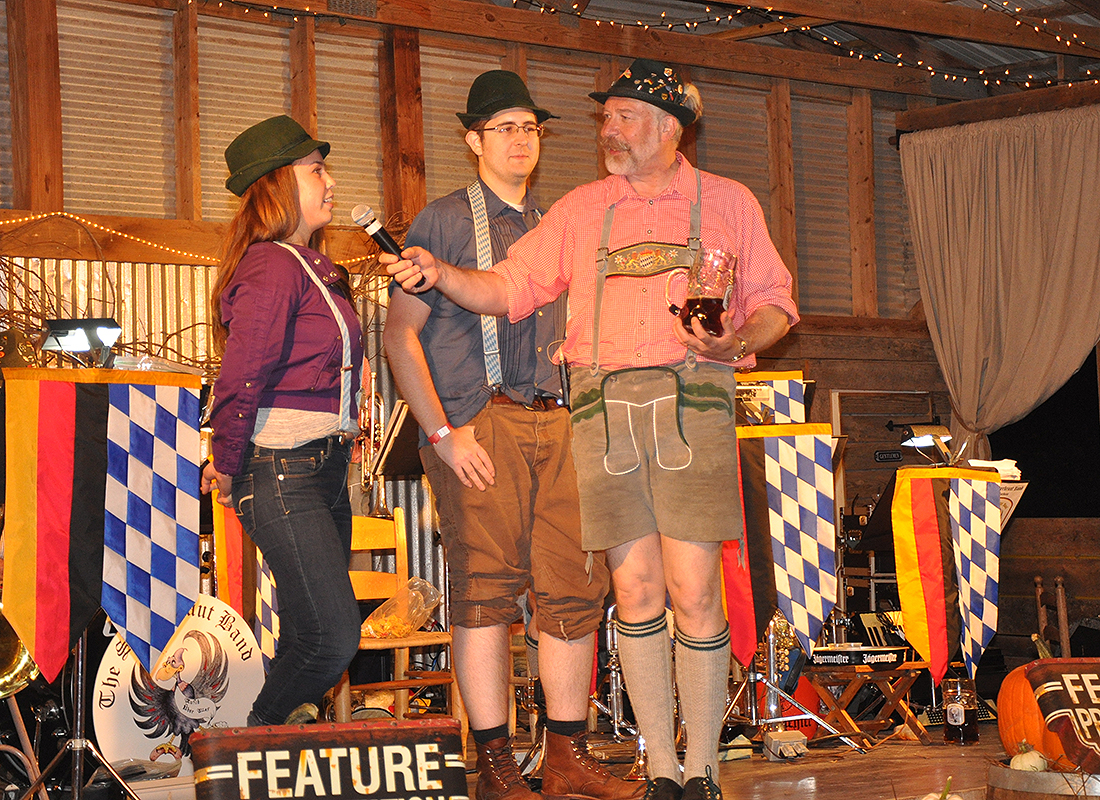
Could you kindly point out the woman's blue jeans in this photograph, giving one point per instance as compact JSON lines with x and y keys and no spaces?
{"x":294,"y":505}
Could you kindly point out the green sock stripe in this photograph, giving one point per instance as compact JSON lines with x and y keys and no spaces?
{"x":638,"y":630}
{"x":710,"y":643}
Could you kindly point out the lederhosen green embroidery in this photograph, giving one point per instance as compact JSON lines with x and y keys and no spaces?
{"x":636,"y":400}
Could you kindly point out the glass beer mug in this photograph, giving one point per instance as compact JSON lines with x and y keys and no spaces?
{"x":709,"y":288}
{"x":960,"y":711}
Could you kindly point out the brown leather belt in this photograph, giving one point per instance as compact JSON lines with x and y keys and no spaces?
{"x":538,"y":404}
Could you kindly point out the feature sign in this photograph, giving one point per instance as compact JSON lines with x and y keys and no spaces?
{"x":1068,"y":693}
{"x":382,"y":759}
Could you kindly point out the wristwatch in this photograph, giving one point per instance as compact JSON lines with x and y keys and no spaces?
{"x":742,"y":352}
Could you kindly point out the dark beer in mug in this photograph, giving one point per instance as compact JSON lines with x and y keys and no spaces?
{"x":708,"y":310}
{"x":960,"y":724}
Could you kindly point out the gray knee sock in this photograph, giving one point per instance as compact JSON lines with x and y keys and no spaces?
{"x":646,"y":653}
{"x":702,"y":680}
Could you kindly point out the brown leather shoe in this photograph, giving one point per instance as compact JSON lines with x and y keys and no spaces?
{"x":569,"y":772}
{"x":498,"y":775}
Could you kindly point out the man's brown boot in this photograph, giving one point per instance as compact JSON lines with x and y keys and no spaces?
{"x":498,"y":775}
{"x":570,"y":772}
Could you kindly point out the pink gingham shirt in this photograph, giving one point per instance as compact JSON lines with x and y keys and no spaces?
{"x":636,"y":325}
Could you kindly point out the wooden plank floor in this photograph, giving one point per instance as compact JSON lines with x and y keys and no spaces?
{"x":893,"y":770}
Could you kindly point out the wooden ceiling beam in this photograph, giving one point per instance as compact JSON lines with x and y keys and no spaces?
{"x":569,"y":32}
{"x":769,"y":29}
{"x":939,"y":19}
{"x":1035,"y":101}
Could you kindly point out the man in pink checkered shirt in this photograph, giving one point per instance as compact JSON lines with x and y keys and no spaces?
{"x":654,"y":431}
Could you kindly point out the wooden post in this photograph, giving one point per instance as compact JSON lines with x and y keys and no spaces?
{"x":34,"y":71}
{"x":401,"y":105}
{"x":781,"y":177}
{"x":303,"y":74}
{"x":185,"y":70}
{"x":861,"y":204}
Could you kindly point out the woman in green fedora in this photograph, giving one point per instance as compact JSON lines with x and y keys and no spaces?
{"x":284,"y":410}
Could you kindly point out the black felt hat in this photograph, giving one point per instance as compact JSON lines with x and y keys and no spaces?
{"x":264,"y":147}
{"x":651,"y":82}
{"x":495,"y":91}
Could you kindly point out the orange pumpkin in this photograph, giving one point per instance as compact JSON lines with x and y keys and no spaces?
{"x":1019,"y":720}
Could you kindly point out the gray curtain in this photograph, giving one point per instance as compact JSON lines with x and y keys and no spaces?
{"x":1006,"y":228}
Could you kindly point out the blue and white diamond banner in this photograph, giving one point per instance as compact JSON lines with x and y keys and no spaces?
{"x":267,"y":610}
{"x":975,"y":511}
{"x":772,"y":398}
{"x":798,"y":470}
{"x":151,"y":533}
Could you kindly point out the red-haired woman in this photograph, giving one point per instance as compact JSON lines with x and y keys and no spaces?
{"x":284,"y":408}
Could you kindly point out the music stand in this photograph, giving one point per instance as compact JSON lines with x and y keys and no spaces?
{"x":399,"y":454}
{"x":77,"y":743}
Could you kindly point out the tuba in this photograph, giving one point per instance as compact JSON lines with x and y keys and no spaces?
{"x":17,"y":668}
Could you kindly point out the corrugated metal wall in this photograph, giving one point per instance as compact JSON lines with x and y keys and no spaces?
{"x":447,"y":68}
{"x":118,"y":134}
{"x":244,"y":77}
{"x":162,"y":308}
{"x":898,"y":289}
{"x":347,"y":118}
{"x":820,"y":133}
{"x":568,"y":156}
{"x":732,"y":138}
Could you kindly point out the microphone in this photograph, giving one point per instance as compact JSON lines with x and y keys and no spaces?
{"x":363,"y":216}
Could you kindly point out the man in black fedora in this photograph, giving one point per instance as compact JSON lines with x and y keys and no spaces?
{"x":495,"y":443}
{"x":652,"y":400}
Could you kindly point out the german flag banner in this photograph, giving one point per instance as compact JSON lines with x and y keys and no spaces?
{"x":930,"y":524}
{"x":787,"y":558}
{"x":231,"y":548}
{"x":102,"y":507}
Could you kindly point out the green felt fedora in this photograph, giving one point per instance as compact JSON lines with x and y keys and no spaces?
{"x":266,"y":146}
{"x":651,"y":82}
{"x":495,"y":91}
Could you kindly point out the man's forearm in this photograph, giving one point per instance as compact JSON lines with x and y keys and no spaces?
{"x":480,"y":292}
{"x":764,"y":327}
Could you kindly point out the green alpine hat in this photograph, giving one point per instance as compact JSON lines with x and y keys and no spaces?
{"x":651,"y":82}
{"x":264,"y":147}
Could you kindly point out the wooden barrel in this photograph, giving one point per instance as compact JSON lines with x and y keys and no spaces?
{"x":1004,"y":783}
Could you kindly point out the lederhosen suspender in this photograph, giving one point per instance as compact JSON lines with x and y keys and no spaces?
{"x":663,"y":263}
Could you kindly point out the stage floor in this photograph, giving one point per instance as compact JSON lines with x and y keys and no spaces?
{"x":892,"y":770}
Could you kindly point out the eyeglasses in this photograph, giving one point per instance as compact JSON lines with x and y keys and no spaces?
{"x":509,"y":129}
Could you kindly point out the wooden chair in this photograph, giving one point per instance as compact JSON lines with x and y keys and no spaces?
{"x":1046,"y":603}
{"x":369,"y":536}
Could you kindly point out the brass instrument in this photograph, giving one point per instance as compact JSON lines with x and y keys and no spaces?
{"x":372,"y":426}
{"x":17,"y":669}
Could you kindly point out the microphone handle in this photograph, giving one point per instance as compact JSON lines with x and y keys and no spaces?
{"x":386,"y":242}
{"x":382,"y":238}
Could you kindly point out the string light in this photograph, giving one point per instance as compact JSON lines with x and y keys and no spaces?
{"x":105,"y":229}
{"x":691,"y":24}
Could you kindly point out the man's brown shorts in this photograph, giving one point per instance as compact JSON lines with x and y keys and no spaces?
{"x":524,"y":531}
